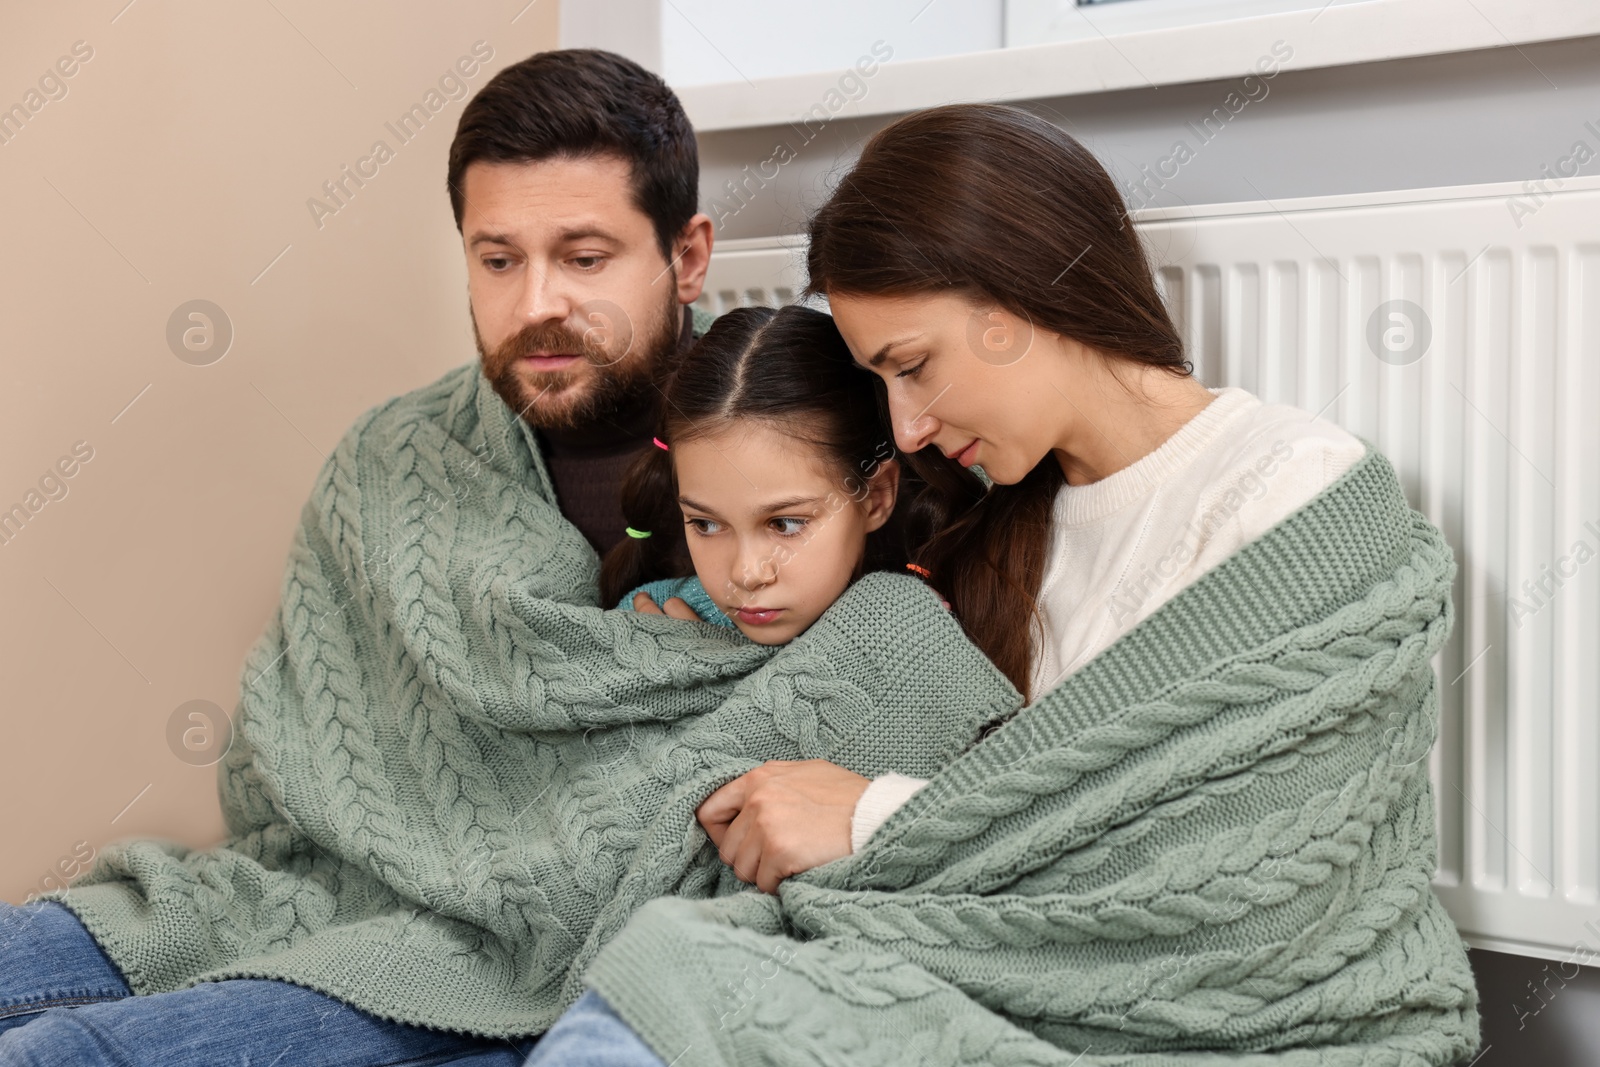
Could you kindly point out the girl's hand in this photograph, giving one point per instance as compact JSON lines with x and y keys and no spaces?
{"x":676,"y":606}
{"x":784,"y":817}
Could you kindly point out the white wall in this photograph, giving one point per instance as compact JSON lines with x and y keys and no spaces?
{"x":697,"y":42}
{"x":1481,"y":116}
{"x":1037,"y":21}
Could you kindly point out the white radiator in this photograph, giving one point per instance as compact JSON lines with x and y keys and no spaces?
{"x":1494,"y":428}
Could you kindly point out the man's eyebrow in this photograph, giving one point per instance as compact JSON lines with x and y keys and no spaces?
{"x":775,"y":505}
{"x":575,"y":233}
{"x":579,"y":233}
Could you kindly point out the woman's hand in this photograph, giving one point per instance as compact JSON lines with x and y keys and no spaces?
{"x":784,"y":817}
{"x":676,"y":606}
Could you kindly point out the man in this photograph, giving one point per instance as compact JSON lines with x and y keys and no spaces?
{"x":573,"y":177}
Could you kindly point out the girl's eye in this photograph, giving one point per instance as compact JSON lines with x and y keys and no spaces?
{"x":911,"y":372}
{"x":699,"y":526}
{"x":791,"y":531}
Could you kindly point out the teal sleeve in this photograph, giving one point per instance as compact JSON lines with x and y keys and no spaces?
{"x":693,"y":593}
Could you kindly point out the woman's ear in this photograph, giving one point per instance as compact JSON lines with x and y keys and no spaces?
{"x":882,"y":489}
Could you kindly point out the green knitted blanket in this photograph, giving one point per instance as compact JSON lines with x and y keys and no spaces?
{"x":1210,"y":845}
{"x":453,"y":776}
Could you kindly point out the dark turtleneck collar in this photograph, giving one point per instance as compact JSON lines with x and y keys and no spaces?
{"x":588,"y":465}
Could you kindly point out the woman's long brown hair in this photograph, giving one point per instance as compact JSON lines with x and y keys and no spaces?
{"x":998,"y":205}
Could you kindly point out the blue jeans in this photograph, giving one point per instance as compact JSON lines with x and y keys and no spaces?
{"x":590,"y":1034}
{"x":63,"y":1002}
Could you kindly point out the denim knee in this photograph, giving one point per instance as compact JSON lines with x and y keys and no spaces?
{"x":592,"y":1034}
{"x":48,"y":959}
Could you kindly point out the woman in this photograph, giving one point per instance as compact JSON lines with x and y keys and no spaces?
{"x":978,"y":260}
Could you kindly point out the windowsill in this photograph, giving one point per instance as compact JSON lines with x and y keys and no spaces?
{"x":1338,"y":35}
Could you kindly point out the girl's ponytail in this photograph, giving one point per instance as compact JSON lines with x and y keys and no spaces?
{"x":649,"y":505}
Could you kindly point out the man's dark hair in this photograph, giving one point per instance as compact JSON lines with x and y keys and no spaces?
{"x":580,"y":102}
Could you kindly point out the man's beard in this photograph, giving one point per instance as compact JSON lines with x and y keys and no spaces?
{"x":619,"y":363}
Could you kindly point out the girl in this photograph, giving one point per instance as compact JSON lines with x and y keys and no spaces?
{"x":772,"y":486}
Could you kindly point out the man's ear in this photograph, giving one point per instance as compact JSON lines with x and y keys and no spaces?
{"x":882,"y":490}
{"x":691,"y":255}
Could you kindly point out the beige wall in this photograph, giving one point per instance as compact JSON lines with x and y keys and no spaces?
{"x":176,"y":167}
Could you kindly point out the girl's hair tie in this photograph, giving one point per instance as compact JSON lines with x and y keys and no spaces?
{"x":659,"y":442}
{"x":920,"y":570}
{"x":636,"y":533}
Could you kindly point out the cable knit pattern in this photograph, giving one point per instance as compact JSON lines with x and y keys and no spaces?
{"x":1212,"y":844}
{"x":454,"y":776}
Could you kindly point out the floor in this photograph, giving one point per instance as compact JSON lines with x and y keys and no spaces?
{"x":1536,"y":1013}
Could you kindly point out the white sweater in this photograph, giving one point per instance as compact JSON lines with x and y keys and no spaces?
{"x":1122,"y":546}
